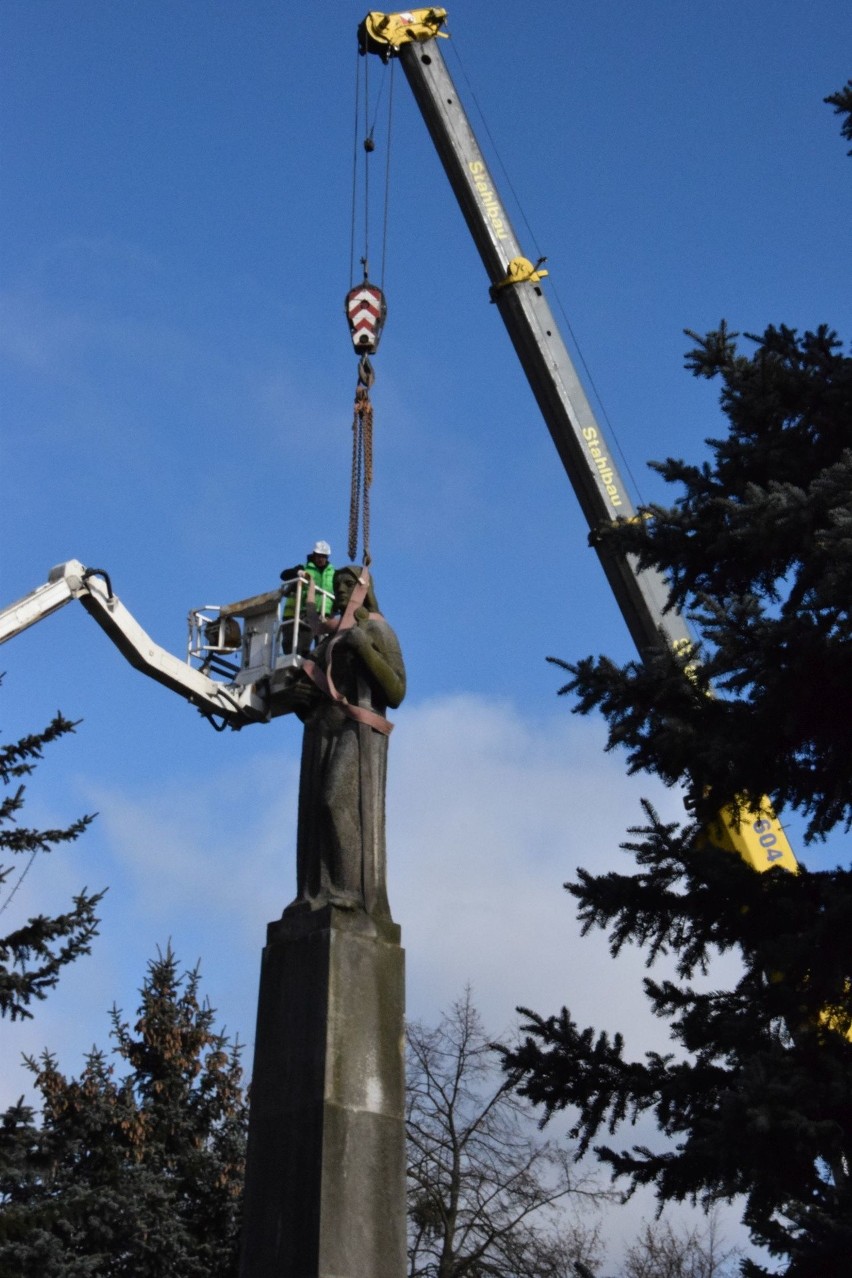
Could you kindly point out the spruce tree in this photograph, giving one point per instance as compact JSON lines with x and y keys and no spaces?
{"x":135,"y":1169}
{"x":32,"y":956}
{"x":842,"y":103}
{"x":756,"y":1097}
{"x":758,"y":552}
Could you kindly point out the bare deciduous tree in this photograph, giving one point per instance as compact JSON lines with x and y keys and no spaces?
{"x":486,"y":1195}
{"x":661,"y":1251}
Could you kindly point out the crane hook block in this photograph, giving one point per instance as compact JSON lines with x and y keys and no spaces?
{"x":383,"y":33}
{"x":365,"y":310}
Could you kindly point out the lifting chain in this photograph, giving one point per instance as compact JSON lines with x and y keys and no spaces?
{"x":362,"y":461}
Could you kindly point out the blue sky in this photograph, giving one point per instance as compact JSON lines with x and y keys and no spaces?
{"x":176,"y":403}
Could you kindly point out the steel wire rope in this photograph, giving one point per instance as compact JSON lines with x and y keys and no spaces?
{"x":353,"y":215}
{"x":368,"y":144}
{"x":367,"y":147}
{"x":362,"y":421}
{"x":359,"y":143}
{"x":553,"y":288}
{"x":371,"y":128}
{"x":387,"y":177}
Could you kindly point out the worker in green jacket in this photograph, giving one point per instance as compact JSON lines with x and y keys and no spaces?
{"x":319,"y":567}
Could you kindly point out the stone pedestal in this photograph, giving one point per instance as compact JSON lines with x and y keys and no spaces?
{"x":325,"y":1178}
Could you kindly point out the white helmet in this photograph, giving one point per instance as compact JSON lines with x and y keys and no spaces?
{"x":322,"y":548}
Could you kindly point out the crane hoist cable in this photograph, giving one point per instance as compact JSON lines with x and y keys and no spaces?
{"x":365,"y":311}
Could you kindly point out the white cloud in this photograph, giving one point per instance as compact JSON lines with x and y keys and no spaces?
{"x":490,"y":812}
{"x":217,"y":846}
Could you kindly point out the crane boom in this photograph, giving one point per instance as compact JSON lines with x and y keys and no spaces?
{"x":516,"y":291}
{"x":642,"y":595}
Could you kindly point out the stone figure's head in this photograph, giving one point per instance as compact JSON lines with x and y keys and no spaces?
{"x":345,"y":581}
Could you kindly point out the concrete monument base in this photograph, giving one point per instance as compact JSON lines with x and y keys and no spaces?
{"x":325,"y":1177}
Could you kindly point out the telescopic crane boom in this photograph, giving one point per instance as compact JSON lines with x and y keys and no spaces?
{"x":515,"y":288}
{"x":516,"y":291}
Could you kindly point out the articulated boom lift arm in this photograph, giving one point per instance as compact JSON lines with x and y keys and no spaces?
{"x":255,"y":692}
{"x":516,"y":290}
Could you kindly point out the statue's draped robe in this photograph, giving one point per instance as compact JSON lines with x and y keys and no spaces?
{"x":340,"y":852}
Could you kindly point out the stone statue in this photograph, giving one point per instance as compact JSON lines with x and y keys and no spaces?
{"x":357,"y":672}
